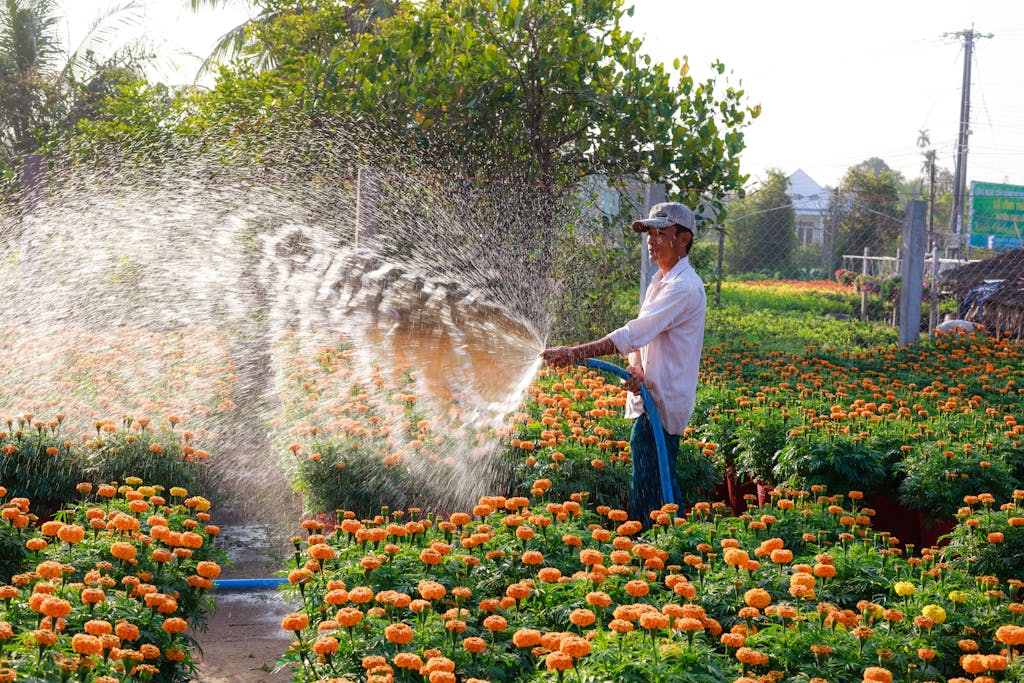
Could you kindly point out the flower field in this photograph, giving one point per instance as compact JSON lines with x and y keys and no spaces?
{"x":536,"y":588}
{"x":852,"y":512}
{"x":106,"y":590}
{"x":549,"y":580}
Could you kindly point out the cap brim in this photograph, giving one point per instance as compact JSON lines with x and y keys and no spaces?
{"x":641,"y":226}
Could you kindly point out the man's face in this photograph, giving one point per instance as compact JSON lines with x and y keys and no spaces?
{"x":665,"y":246}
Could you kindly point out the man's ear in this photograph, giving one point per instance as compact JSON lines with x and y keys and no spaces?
{"x":687,"y":239}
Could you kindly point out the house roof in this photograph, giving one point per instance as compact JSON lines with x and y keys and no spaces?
{"x":808,"y":196}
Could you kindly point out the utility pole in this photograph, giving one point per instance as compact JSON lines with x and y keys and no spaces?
{"x":960,"y":171}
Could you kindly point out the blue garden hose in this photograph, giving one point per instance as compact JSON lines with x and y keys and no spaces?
{"x":664,"y":471}
{"x":248,"y":584}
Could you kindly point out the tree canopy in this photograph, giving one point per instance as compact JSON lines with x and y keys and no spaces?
{"x":540,"y":91}
{"x":871,"y":214}
{"x":761,"y":229}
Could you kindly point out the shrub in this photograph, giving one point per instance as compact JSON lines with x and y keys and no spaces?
{"x":938,"y":477}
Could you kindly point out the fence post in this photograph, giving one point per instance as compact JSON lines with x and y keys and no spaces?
{"x":864,"y":290}
{"x":896,"y":305}
{"x":655,"y":194}
{"x":367,"y":195}
{"x":719,"y":269}
{"x":912,"y":271}
{"x":933,"y":309}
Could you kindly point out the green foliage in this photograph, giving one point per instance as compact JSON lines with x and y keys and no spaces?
{"x":38,"y":465}
{"x":760,"y":437}
{"x":937,"y":478}
{"x":792,"y":333}
{"x":838,"y":463}
{"x":873,"y":214}
{"x":760,"y":229}
{"x":46,"y":87}
{"x":131,"y":115}
{"x":787,"y":300}
{"x":154,"y":457}
{"x":535,"y":92}
{"x":350,"y":475}
{"x":992,"y":539}
{"x":697,"y":475}
{"x":600,"y":290}
{"x":45,"y":467}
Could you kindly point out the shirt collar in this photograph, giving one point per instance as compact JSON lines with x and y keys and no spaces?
{"x":676,"y":270}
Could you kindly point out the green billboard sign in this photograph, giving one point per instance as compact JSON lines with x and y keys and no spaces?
{"x":996,"y":216}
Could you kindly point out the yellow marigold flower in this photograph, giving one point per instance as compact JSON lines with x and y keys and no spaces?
{"x":904,"y":588}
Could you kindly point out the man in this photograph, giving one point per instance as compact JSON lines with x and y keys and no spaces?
{"x":663,"y":344}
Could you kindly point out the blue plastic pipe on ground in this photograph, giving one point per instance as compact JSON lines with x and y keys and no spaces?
{"x":248,"y":584}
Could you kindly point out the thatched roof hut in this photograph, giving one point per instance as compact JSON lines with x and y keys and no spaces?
{"x":991,"y":292}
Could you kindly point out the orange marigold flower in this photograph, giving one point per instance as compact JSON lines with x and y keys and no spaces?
{"x":734,"y":557}
{"x":582,"y":617}
{"x":126,"y":630}
{"x":532,"y":557}
{"x":71,"y":533}
{"x":431,"y":590}
{"x":751,"y":657}
{"x":296,"y":621}
{"x":348,"y":617}
{"x":757,"y":597}
{"x":175,"y":625}
{"x":620,"y":626}
{"x":399,"y":633}
{"x":55,"y":608}
{"x":208,"y":570}
{"x":549,"y":574}
{"x":98,"y":627}
{"x":526,"y":637}
{"x":574,"y":646}
{"x":85,"y":644}
{"x":123,"y":551}
{"x":495,"y":622}
{"x":877,"y":674}
{"x":558,"y":661}
{"x":474,"y":644}
{"x":637,"y":588}
{"x":996,"y":662}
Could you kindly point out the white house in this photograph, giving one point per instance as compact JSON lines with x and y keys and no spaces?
{"x":811,"y":203}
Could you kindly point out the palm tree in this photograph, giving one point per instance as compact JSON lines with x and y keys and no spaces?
{"x":361,"y":17}
{"x":37,"y":70}
{"x":928,"y":169}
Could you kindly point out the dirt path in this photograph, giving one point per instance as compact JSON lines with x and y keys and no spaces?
{"x":243,"y":640}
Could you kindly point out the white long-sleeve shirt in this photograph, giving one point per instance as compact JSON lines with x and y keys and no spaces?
{"x":669,"y":334}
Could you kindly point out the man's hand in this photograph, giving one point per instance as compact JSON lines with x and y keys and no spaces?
{"x":635,"y":381}
{"x":559,"y":356}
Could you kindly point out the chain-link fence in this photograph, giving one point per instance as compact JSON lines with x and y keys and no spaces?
{"x":853,"y":242}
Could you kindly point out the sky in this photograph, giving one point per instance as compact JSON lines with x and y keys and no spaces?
{"x":838,"y":83}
